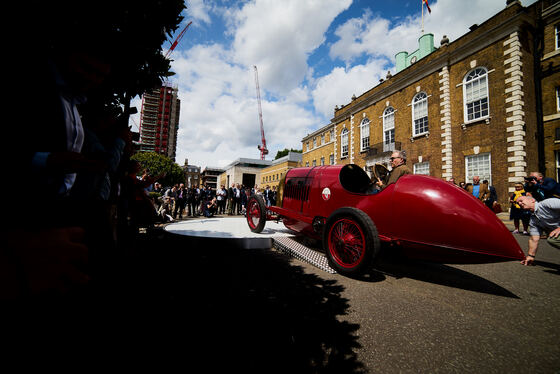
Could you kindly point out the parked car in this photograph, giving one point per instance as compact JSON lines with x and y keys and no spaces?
{"x":422,"y":216}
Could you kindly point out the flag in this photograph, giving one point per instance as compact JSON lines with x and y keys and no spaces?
{"x":427,"y":6}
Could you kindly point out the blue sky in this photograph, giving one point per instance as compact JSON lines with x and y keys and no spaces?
{"x":311,"y":55}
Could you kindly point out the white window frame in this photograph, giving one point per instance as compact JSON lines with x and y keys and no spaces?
{"x":468,"y":164}
{"x":331,"y":159}
{"x":557,"y":165}
{"x":344,"y":143}
{"x":422,"y":168}
{"x":364,"y":135}
{"x":323,"y":138}
{"x":420,"y":107}
{"x":468,"y":83}
{"x":315,"y":142}
{"x":557,"y":36}
{"x":323,"y":161}
{"x":388,"y":129}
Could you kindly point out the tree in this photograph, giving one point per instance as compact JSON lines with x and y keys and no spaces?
{"x":157,"y":164}
{"x":131,"y":32}
{"x":285,"y":152}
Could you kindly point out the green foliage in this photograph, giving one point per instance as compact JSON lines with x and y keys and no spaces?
{"x":130,"y":34}
{"x":157,"y":164}
{"x":285,"y":152}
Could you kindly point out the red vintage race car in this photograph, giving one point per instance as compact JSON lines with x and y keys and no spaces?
{"x":424,"y":217}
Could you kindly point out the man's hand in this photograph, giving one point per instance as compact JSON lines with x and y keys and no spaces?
{"x":554,"y":233}
{"x":529,"y":261}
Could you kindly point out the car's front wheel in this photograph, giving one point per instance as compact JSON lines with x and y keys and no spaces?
{"x":256,"y":213}
{"x":350,"y":241}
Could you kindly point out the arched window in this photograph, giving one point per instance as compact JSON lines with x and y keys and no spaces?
{"x":389,"y":129}
{"x":475,"y":94}
{"x":420,"y":114}
{"x":364,"y":135}
{"x":344,"y":143}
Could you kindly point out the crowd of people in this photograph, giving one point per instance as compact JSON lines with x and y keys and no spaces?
{"x":178,"y":201}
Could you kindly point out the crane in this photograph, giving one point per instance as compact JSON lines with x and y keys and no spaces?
{"x":177,"y":40}
{"x":262,"y":146}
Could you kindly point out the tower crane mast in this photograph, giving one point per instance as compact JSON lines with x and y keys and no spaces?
{"x":262,"y":146}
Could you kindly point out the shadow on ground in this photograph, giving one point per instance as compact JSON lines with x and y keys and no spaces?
{"x":230,"y":309}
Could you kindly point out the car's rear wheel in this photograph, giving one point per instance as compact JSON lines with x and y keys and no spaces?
{"x":256,"y":213}
{"x":350,"y":241}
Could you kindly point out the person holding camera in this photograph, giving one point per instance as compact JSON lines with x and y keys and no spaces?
{"x":541,"y":188}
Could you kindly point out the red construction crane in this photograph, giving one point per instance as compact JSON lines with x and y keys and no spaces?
{"x":177,"y":40}
{"x":262,"y":146}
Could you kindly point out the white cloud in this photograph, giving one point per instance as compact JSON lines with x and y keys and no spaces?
{"x":278,"y":36}
{"x":198,"y":10}
{"x":219,"y":112}
{"x":338,"y":87}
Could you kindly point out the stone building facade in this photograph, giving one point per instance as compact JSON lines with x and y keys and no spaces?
{"x":272,"y":175}
{"x":468,"y":108}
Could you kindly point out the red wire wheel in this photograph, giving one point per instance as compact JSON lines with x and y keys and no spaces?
{"x":256,"y":213}
{"x":350,"y":241}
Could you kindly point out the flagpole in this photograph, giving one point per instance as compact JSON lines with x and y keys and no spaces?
{"x":422,"y":5}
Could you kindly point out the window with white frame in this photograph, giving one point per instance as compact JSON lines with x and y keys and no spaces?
{"x":364,"y":135}
{"x":331,"y":159}
{"x":331,"y":136}
{"x":323,"y":138}
{"x":388,"y":129}
{"x":475,"y":94}
{"x":478,"y":165}
{"x":557,"y":166}
{"x":557,"y":32}
{"x":420,"y":114}
{"x":314,"y":163}
{"x":314,"y":142}
{"x":322,"y":161}
{"x":422,"y":168}
{"x":344,"y":143}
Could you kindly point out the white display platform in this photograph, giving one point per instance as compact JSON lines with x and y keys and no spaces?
{"x":235,"y":230}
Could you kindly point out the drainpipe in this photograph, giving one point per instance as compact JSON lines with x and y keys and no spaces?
{"x":538,"y":43}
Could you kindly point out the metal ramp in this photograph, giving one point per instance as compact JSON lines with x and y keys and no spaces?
{"x":300,"y":251}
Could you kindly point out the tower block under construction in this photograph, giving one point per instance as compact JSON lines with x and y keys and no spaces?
{"x":159,"y":121}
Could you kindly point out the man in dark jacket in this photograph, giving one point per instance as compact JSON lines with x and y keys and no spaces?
{"x":398,"y":163}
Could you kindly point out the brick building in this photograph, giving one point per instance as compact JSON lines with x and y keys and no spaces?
{"x":468,"y":107}
{"x":192,"y":174}
{"x":550,"y":87}
{"x":271,"y":175}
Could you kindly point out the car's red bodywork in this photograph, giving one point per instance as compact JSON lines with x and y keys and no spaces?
{"x":424,"y":216}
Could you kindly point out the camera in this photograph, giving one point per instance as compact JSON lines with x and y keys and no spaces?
{"x":530,"y":179}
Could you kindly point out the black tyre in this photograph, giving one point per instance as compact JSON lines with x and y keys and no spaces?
{"x":350,"y":241}
{"x":256,"y":213}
